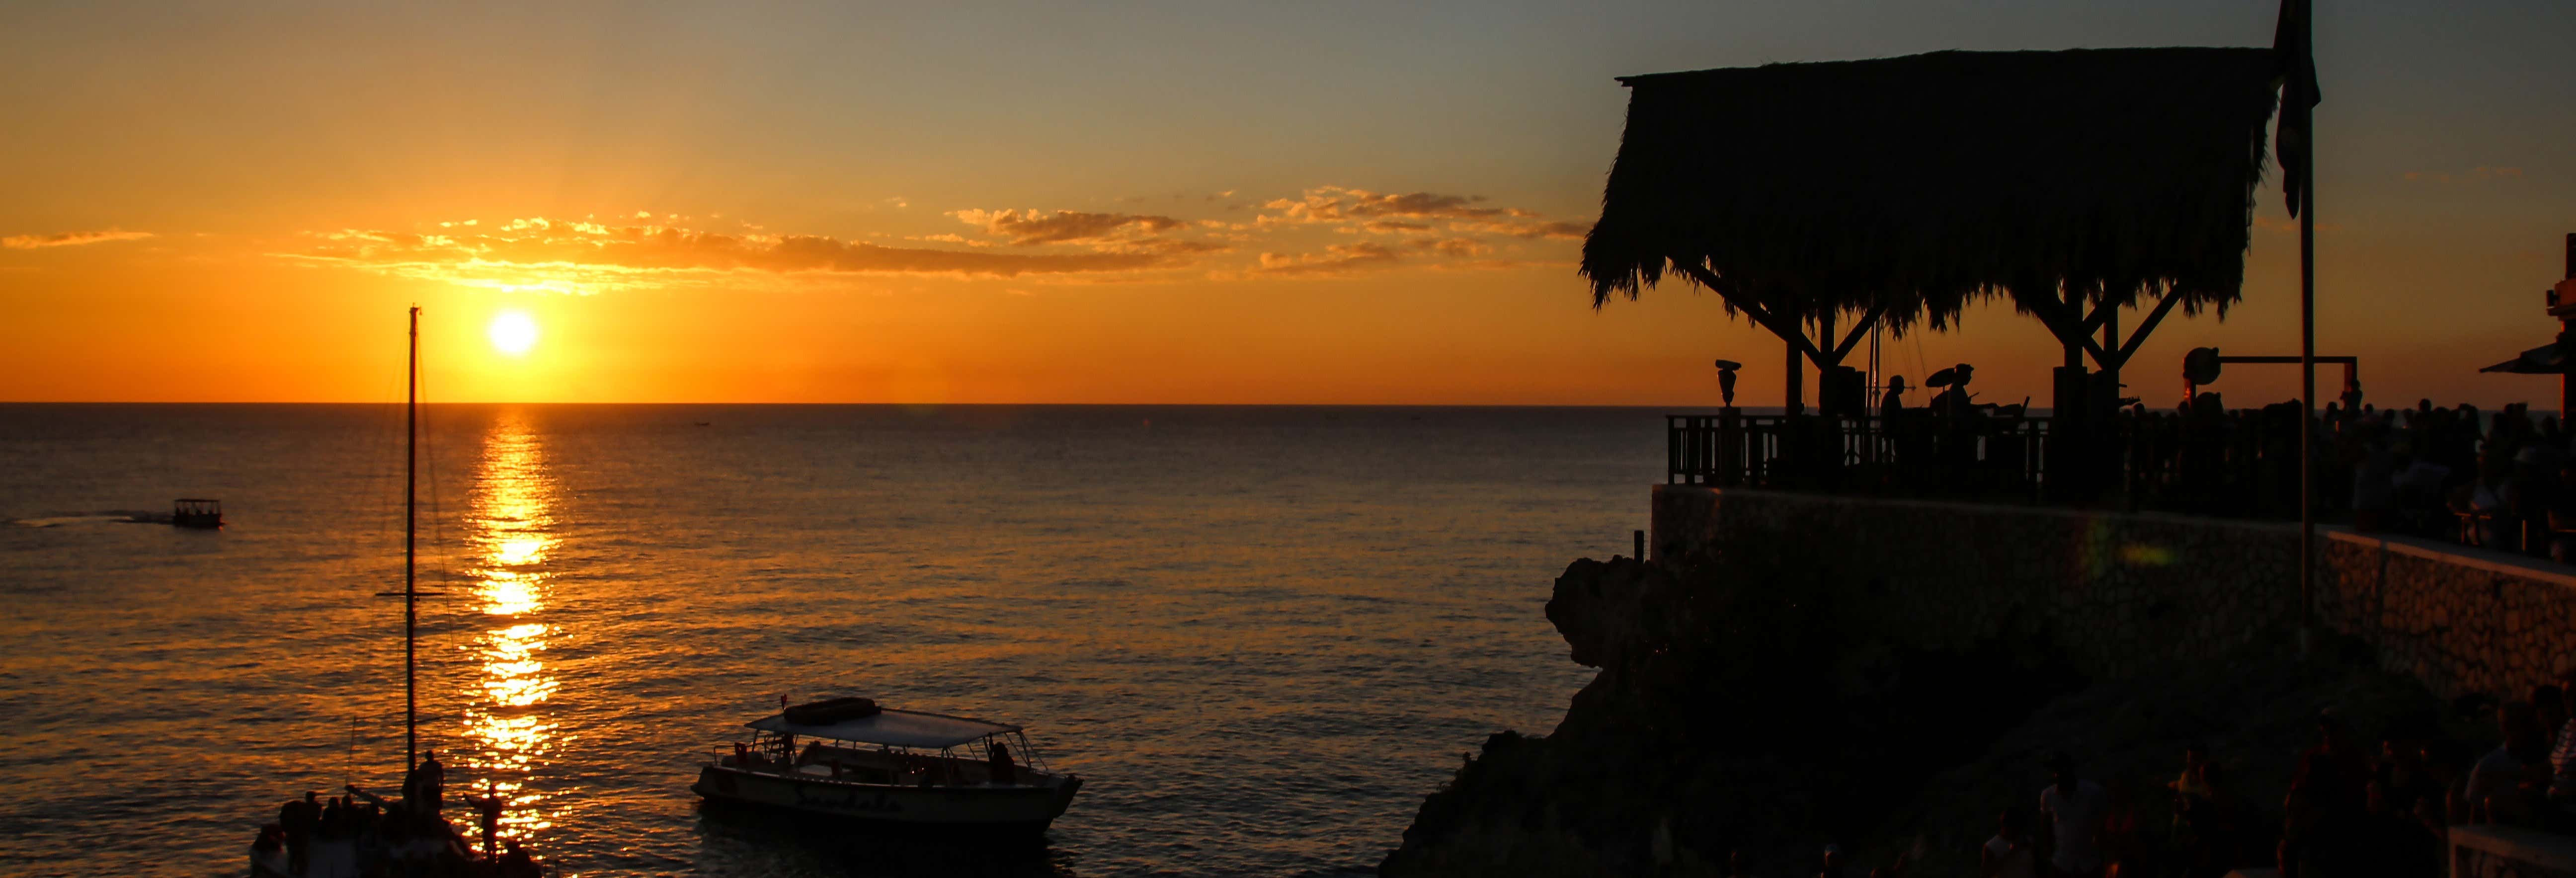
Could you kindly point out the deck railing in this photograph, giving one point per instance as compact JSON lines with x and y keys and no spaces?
{"x":2242,"y":466}
{"x":1988,"y":456}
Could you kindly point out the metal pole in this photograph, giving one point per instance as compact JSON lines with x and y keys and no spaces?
{"x":2307,"y":378}
{"x":2566,"y":384}
{"x":411,"y":490}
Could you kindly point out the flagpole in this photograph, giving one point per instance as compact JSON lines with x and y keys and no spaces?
{"x":2307,"y":396}
{"x":2307,"y":173}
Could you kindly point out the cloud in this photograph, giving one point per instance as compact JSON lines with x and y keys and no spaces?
{"x":1030,"y":227}
{"x":1420,"y":230}
{"x":1458,"y":247}
{"x":586,"y":257}
{"x":1326,"y":204}
{"x":1561,"y":231}
{"x":1345,"y":259}
{"x":70,"y":239}
{"x":1161,"y":246}
{"x":1497,"y":265}
{"x":1389,"y":227}
{"x":1337,"y":259}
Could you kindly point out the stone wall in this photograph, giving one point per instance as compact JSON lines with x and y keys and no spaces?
{"x":2122,"y":592}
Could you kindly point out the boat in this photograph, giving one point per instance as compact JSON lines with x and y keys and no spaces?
{"x":362,"y":833}
{"x":859,"y":760}
{"x":197,"y":512}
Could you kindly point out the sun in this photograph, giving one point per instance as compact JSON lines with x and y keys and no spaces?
{"x":513,"y":332}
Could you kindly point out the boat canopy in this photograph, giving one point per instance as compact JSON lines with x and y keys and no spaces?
{"x":893,"y":728}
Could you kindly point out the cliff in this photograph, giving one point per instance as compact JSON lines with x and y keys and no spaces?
{"x":1744,"y":705}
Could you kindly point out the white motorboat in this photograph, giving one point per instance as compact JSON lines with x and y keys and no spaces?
{"x":861,"y":761}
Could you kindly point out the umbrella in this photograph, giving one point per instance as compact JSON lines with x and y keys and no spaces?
{"x":1954,"y":375}
{"x":2543,"y":360}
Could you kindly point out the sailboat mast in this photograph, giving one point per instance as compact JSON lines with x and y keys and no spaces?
{"x":411,"y":492}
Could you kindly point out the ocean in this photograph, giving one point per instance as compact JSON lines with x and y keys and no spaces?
{"x":1260,"y":634}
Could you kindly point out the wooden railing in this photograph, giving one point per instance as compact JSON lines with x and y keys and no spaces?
{"x":1989,"y":456}
{"x":2236,"y":467}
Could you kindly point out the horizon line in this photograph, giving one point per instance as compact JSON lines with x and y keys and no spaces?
{"x":1481,"y":405}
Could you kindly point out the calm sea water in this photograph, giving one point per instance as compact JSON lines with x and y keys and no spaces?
{"x":1260,"y":634}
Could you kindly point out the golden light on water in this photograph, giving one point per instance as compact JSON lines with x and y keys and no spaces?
{"x":512,"y":529}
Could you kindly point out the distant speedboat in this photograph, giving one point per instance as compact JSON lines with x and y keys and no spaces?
{"x":196,"y":512}
{"x":898,"y":766}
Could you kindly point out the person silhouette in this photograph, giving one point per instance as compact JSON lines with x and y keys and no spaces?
{"x":1726,"y":381}
{"x":1891,"y":403}
{"x":423,"y":787}
{"x":488,"y":811}
{"x":999,"y":762}
{"x":1952,"y":402}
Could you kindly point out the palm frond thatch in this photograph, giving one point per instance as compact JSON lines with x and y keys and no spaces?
{"x":1925,"y":182}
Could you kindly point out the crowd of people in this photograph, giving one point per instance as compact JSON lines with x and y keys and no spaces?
{"x":2500,"y":480}
{"x":2505,"y":484}
{"x":379,"y":839}
{"x":2449,"y":473}
{"x":2352,"y":808}
{"x":2356,"y":806}
{"x":2503,"y":479}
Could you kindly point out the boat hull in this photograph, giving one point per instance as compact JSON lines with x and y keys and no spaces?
{"x":995,"y":807}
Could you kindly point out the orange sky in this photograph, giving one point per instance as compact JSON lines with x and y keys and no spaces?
{"x":1022,"y":203}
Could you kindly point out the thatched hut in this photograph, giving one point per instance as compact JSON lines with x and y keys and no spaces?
{"x":1902,"y":189}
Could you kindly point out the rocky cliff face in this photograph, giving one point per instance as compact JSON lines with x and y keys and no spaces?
{"x":1744,"y":706}
{"x":1728,"y":714}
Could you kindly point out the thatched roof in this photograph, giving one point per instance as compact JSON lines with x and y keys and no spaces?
{"x":1927,"y":181}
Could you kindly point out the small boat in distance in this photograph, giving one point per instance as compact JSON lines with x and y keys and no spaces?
{"x":197,"y":512}
{"x":898,"y":766}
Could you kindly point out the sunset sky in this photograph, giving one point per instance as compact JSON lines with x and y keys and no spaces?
{"x":1110,"y":203}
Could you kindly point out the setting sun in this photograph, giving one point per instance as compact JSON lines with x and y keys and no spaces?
{"x":513,"y":332}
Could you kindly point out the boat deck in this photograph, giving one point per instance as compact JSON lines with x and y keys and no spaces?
{"x":828,"y":762}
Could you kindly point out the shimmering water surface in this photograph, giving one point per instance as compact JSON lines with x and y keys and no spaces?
{"x":1260,"y":634}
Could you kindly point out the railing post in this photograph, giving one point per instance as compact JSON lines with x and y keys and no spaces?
{"x":1730,"y":447}
{"x":1673,"y":450}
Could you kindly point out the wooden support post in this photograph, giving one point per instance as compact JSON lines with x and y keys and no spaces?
{"x":1796,"y":402}
{"x":2111,"y":342}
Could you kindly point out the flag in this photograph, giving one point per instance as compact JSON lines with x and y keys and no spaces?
{"x":2294,"y":47}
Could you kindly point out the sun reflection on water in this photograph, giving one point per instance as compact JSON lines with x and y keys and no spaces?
{"x":512,"y":529}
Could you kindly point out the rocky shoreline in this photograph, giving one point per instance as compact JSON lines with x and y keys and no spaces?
{"x":1742,"y":706}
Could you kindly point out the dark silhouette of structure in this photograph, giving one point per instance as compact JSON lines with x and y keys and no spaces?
{"x":197,"y":512}
{"x":2551,"y":358}
{"x":1897,"y":191}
